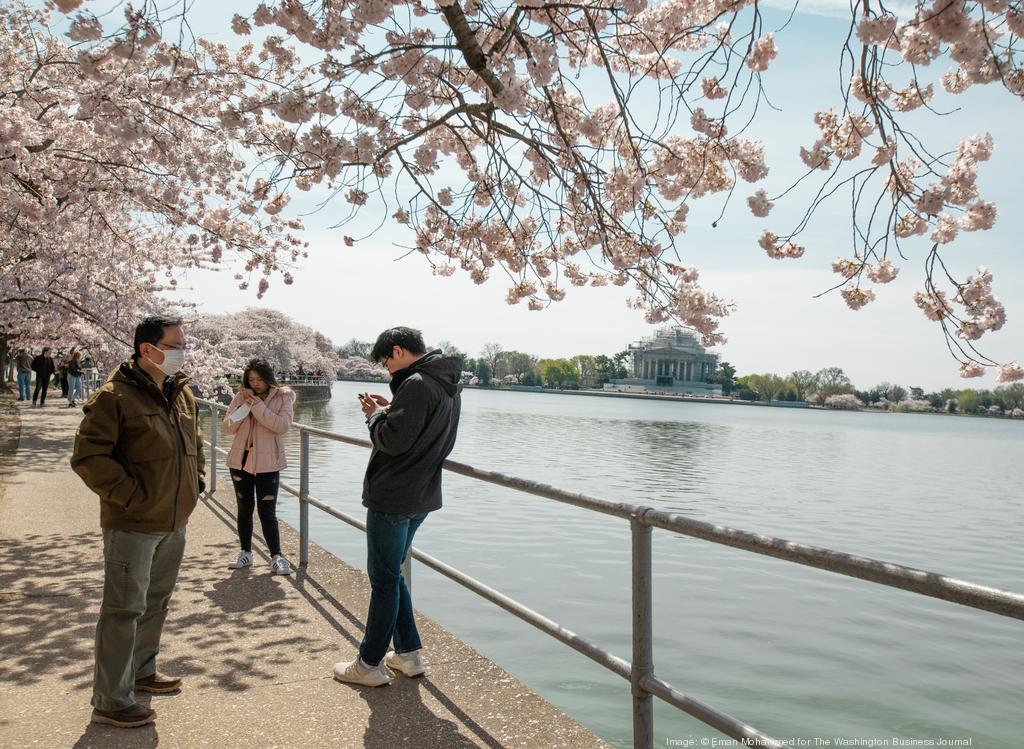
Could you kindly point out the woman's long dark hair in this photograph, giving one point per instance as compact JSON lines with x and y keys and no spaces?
{"x":263,"y":369}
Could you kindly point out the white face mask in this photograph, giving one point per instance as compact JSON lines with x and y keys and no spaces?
{"x":174,"y":360}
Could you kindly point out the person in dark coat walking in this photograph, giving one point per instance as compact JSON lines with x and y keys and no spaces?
{"x":411,"y":435}
{"x":62,"y":375}
{"x":44,"y":368}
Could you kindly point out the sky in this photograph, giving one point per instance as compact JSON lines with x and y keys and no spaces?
{"x":778,"y":326}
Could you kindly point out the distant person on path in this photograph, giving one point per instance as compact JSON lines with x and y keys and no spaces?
{"x":76,"y":389}
{"x":44,"y":368}
{"x":412,"y":436}
{"x":62,"y":375}
{"x":23,"y":361}
{"x":259,"y":416}
{"x":140,"y":448}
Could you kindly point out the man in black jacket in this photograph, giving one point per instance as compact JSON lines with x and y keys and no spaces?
{"x":44,"y":367}
{"x":411,"y":436}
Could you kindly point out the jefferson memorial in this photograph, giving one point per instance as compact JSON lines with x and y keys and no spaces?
{"x":670,"y":361}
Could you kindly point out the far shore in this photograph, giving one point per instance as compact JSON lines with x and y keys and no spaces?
{"x":727,"y":401}
{"x":680,"y":397}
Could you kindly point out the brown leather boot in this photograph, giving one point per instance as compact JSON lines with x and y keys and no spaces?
{"x":158,"y":684}
{"x":130,"y":717}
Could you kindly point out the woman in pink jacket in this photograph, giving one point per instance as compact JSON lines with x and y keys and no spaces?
{"x":259,"y":416}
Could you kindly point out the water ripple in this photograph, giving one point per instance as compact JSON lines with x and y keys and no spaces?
{"x":795,"y":651}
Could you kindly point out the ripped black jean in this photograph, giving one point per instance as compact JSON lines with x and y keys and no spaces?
{"x":259,"y":492}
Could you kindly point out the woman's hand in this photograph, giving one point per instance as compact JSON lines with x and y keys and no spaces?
{"x":249,"y":397}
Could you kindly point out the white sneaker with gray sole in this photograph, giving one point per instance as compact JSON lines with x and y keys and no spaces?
{"x":242,"y":559}
{"x":410,"y":664}
{"x":357,"y":672}
{"x":280,"y":566}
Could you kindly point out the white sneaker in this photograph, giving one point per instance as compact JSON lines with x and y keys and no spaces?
{"x":280,"y":566}
{"x":357,"y":672}
{"x":410,"y":664}
{"x":242,"y":559}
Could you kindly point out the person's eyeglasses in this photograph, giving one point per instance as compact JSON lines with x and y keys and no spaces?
{"x":383,"y":361}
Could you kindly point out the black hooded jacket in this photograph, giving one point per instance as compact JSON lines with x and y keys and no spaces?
{"x":412,"y":438}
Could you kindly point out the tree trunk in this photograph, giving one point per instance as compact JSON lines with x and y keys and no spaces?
{"x":4,"y":340}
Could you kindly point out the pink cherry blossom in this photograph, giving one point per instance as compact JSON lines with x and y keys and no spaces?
{"x":883,"y":271}
{"x":971,"y":369}
{"x":847,"y":401}
{"x":713,"y":89}
{"x":116,"y":173}
{"x":932,"y":303}
{"x":876,"y":30}
{"x":779,"y":250}
{"x":762,"y":53}
{"x":856,"y":298}
{"x":759,"y":203}
{"x":506,"y":136}
{"x":1010,"y":372}
{"x":978,"y":216}
{"x":913,"y":96}
{"x":846,"y":268}
{"x":946,"y":229}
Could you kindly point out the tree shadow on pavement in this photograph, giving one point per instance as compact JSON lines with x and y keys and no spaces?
{"x":243,"y":592}
{"x":314,"y":593}
{"x":48,"y":611}
{"x":237,"y":631}
{"x":39,"y":448}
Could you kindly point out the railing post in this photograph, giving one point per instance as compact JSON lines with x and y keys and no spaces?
{"x":304,"y":499}
{"x":212,"y":473}
{"x":643,"y":637}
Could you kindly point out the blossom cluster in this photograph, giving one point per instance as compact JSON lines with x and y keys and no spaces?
{"x":777,"y":249}
{"x":469,"y":110}
{"x":116,"y":176}
{"x":845,"y":401}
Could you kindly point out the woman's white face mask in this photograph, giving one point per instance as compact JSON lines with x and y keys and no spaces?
{"x":174,"y":360}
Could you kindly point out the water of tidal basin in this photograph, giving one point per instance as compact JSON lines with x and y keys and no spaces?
{"x":793,"y":651}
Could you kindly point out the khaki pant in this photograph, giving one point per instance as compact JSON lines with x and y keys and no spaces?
{"x":140,"y":570}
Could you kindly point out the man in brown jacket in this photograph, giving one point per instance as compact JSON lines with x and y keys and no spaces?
{"x":140,"y":448}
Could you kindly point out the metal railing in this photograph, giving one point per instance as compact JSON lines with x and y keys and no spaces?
{"x":304,"y":379}
{"x":91,"y":380}
{"x":642,"y":520}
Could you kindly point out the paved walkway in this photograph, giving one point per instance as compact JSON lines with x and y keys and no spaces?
{"x":256,"y":651}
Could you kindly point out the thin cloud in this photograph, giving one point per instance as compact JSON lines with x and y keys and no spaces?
{"x":832,"y":8}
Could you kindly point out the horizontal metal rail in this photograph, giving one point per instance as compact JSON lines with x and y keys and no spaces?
{"x":873,"y":570}
{"x":642,"y":520}
{"x":304,"y":379}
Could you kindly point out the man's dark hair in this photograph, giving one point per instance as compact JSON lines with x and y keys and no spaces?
{"x":263,"y":369}
{"x":151,"y":330}
{"x":45,"y":349}
{"x":408,"y":338}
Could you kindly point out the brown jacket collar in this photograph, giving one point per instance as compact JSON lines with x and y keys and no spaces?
{"x":131,"y":373}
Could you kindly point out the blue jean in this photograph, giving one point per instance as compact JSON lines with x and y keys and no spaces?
{"x":388,"y":538}
{"x":76,"y":389}
{"x":24,"y":386}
